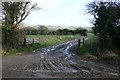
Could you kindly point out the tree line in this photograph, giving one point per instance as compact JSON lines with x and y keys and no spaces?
{"x":43,"y":30}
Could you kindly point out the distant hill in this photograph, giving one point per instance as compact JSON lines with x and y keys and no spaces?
{"x":55,"y":27}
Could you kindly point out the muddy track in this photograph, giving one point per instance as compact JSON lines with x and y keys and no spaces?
{"x":54,"y":61}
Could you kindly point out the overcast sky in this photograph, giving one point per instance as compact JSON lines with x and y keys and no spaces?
{"x":60,"y":12}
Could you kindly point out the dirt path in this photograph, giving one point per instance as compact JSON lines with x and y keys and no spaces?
{"x":54,"y":62}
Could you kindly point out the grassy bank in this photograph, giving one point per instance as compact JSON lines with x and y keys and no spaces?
{"x":45,"y":40}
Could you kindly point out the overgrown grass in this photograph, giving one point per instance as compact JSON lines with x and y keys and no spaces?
{"x":45,"y":40}
{"x":87,"y":47}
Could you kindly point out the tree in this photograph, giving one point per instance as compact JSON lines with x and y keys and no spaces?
{"x":106,"y":23}
{"x":81,"y":31}
{"x":13,"y":13}
{"x":29,"y":30}
{"x":42,"y":30}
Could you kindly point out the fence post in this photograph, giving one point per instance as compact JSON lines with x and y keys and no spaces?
{"x":83,"y":40}
{"x":33,"y":41}
{"x":24,"y":41}
{"x":39,"y":39}
{"x":79,"y":42}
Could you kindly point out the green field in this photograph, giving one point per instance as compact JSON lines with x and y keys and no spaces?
{"x":45,"y":40}
{"x":51,"y":39}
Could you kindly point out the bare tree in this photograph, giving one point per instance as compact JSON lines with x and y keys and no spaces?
{"x":13,"y":13}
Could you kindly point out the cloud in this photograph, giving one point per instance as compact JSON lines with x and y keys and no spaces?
{"x":60,"y":12}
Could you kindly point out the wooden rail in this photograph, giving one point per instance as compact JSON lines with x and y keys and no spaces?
{"x":30,"y":40}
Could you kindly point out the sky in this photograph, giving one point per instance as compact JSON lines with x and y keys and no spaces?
{"x":60,"y":12}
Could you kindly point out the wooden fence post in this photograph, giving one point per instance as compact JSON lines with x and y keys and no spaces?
{"x":33,"y":41}
{"x":79,"y":42}
{"x":39,"y":39}
{"x":83,"y":40}
{"x":24,"y":41}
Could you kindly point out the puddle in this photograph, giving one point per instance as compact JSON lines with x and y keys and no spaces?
{"x":72,"y":62}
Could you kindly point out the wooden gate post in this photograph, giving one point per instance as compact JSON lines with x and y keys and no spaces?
{"x":39,"y":39}
{"x":79,"y":42}
{"x":33,"y":41}
{"x":24,"y":41}
{"x":83,"y":40}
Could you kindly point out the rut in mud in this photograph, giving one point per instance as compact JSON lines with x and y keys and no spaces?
{"x":54,"y":61}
